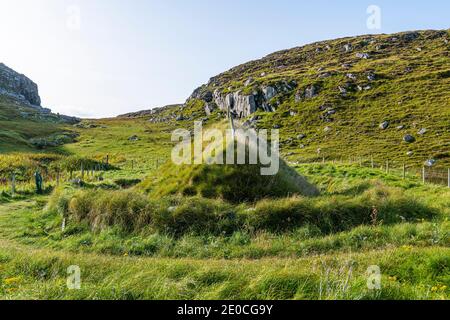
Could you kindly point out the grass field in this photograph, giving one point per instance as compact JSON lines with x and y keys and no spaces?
{"x":139,"y":227}
{"x":304,"y":262}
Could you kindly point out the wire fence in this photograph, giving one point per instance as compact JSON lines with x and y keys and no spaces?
{"x":427,"y":174}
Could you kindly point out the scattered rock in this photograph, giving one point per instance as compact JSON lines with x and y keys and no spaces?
{"x":133,"y":138}
{"x":342,"y":90}
{"x":301,"y":136}
{"x":410,"y":153}
{"x":351,"y":76}
{"x":364,"y":88}
{"x":180,"y":118}
{"x":248,"y":82}
{"x":430,"y":162}
{"x":409,"y":138}
{"x":363,"y":56}
{"x":384,"y":125}
{"x":310,"y":92}
{"x":348,"y":47}
{"x":371,"y":77}
{"x":400,"y":127}
{"x":422,"y":131}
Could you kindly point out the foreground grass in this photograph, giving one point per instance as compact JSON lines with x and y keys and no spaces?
{"x":407,"y":274}
{"x":304,"y":262}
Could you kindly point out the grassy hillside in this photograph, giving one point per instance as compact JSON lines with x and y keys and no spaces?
{"x":404,"y":80}
{"x":26,"y":129}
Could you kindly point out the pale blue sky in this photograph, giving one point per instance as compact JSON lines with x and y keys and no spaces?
{"x":129,"y":55}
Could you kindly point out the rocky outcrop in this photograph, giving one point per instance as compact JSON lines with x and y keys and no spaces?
{"x":18,"y":86}
{"x":242,"y":104}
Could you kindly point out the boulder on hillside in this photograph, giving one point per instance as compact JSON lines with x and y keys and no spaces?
{"x":409,"y":138}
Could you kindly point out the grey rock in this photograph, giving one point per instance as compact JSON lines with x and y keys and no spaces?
{"x":342,"y":90}
{"x":364,"y":88}
{"x":410,"y":153}
{"x":248,"y":82}
{"x":400,"y":127}
{"x":363,"y":55}
{"x":133,"y":138}
{"x":351,"y":76}
{"x":371,"y":77}
{"x":310,"y":92}
{"x":348,"y":47}
{"x":409,"y":138}
{"x":269,"y":92}
{"x":430,"y":162}
{"x":18,"y":86}
{"x":180,"y":118}
{"x":422,"y":131}
{"x":384,"y":125}
{"x":209,"y":108}
{"x":301,"y":136}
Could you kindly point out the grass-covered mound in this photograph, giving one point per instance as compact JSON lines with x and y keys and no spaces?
{"x":233,"y":183}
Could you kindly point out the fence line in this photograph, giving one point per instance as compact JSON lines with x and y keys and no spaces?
{"x":432,"y":175}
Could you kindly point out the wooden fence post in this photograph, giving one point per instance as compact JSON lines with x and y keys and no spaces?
{"x":13,"y":184}
{"x":404,"y":171}
{"x":423,"y":175}
{"x":82,"y":171}
{"x":448,"y":177}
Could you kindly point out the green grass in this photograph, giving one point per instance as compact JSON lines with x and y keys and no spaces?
{"x":411,"y":250}
{"x":156,"y":240}
{"x":41,"y":274}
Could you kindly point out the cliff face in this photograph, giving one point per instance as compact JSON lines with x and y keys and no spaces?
{"x":18,"y":86}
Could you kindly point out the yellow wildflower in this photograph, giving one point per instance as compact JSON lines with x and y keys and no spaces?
{"x":9,"y":281}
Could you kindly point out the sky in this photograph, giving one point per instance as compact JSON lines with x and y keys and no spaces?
{"x":101,"y":58}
